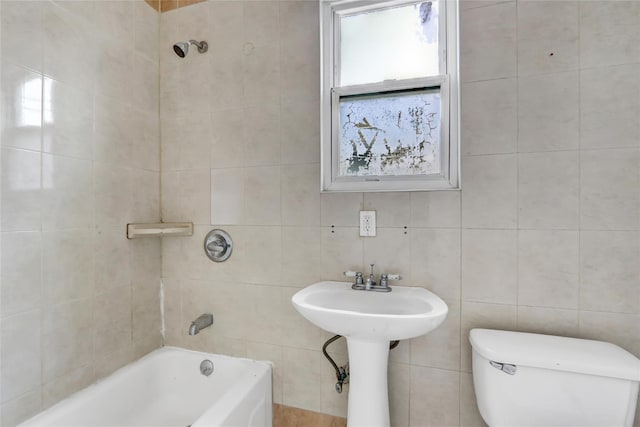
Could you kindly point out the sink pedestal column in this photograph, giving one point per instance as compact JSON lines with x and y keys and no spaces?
{"x":368,"y":395}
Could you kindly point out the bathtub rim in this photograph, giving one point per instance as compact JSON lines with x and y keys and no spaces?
{"x":263,"y":368}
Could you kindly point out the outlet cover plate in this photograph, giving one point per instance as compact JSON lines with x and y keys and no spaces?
{"x":367,"y":223}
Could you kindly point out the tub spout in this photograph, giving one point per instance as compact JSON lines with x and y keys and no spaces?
{"x":204,"y":321}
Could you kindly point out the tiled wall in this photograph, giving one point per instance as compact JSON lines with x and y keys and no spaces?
{"x":544,"y":236}
{"x":80,"y":159}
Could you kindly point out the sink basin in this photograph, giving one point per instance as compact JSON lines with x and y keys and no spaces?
{"x":404,"y":313}
{"x":369,"y":320}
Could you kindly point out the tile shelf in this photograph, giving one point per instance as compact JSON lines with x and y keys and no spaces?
{"x":159,"y":229}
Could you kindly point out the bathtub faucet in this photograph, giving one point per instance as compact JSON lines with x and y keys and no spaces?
{"x":204,"y":321}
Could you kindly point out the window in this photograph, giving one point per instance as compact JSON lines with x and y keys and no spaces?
{"x":389,"y":95}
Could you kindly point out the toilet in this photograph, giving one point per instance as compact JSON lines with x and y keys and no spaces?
{"x":535,"y":380}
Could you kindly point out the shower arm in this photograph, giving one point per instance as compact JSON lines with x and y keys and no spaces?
{"x":202,"y":46}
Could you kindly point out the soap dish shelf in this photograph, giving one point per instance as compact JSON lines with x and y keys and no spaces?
{"x":159,"y":229}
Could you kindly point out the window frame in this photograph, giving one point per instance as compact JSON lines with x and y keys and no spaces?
{"x":447,"y":82}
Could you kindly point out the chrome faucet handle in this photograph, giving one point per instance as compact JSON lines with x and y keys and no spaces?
{"x":384,"y":279}
{"x":357,"y":275}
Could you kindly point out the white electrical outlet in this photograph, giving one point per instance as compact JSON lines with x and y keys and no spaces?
{"x":367,"y":223}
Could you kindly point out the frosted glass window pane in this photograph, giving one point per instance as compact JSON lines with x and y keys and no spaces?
{"x":391,"y":134}
{"x":396,"y":43}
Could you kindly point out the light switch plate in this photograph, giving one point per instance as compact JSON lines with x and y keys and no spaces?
{"x":367,"y":223}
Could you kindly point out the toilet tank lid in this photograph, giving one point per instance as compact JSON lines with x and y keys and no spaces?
{"x":556,"y":353}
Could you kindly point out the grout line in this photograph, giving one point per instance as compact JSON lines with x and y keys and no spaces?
{"x":579,"y":278}
{"x":163,"y":328}
{"x":41,"y":305}
{"x":564,"y":150}
{"x":460,"y":327}
{"x":159,"y":118}
{"x":517,"y":249}
{"x":461,"y":278}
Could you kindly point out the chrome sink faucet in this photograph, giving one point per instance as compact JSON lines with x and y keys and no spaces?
{"x":370,"y":284}
{"x":203,"y":321}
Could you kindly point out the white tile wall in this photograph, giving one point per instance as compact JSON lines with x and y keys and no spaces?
{"x":393,"y":209}
{"x":488,"y":42}
{"x":548,"y":111}
{"x":435,"y":209}
{"x":489,"y":275}
{"x":80,"y":146}
{"x":553,"y":321}
{"x":435,"y":396}
{"x":490,"y":130}
{"x":548,"y":268}
{"x":21,"y":272}
{"x":609,"y":272}
{"x":609,"y":33}
{"x":490,"y":195}
{"x":609,"y":180}
{"x":21,"y":193}
{"x":542,"y":203}
{"x":435,"y":260}
{"x":606,"y":124}
{"x":548,"y":36}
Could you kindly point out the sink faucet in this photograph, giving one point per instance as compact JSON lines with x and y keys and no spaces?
{"x":370,"y":284}
{"x":204,"y":321}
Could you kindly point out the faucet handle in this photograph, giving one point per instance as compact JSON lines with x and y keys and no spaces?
{"x":355,"y":274}
{"x":384,"y":279}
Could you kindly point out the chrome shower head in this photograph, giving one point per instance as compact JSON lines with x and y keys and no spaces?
{"x":182,"y":48}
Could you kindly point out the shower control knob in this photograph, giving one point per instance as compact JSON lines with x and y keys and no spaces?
{"x":218,"y":245}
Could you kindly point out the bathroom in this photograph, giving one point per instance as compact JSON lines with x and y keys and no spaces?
{"x":104,"y":125}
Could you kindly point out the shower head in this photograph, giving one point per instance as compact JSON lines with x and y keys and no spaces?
{"x":182,"y":48}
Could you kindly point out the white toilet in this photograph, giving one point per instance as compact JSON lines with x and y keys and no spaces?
{"x":537,"y":380}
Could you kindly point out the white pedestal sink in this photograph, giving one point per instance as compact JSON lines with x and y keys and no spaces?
{"x":369,"y":320}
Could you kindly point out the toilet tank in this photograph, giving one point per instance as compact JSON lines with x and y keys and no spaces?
{"x":523,"y":379}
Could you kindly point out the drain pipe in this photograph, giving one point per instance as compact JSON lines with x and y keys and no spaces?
{"x":342,"y":372}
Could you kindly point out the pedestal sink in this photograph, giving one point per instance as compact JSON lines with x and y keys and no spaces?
{"x":369,"y":320}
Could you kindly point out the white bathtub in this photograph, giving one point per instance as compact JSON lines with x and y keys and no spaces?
{"x":166,"y":388}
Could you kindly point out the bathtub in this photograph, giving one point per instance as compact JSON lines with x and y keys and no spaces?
{"x":166,"y":388}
